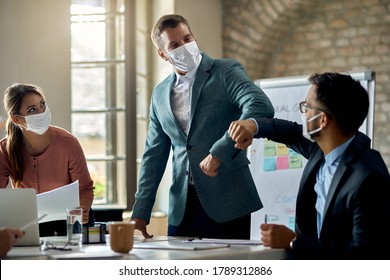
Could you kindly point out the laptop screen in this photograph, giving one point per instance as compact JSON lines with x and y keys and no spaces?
{"x":18,"y":207}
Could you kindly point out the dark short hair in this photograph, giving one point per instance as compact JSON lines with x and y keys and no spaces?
{"x":167,"y":21}
{"x":342,"y":97}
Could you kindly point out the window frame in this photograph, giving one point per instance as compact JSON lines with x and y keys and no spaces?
{"x":118,"y":196}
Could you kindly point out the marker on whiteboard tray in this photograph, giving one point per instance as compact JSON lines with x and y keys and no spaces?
{"x":265,"y":219}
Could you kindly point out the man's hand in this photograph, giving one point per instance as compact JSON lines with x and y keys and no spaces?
{"x":141,"y":226}
{"x":242,"y":132}
{"x":276,"y":236}
{"x":210,"y":165}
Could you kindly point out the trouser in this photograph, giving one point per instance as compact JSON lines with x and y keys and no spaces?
{"x":196,"y":223}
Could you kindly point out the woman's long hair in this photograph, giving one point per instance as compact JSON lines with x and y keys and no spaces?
{"x":13,"y":99}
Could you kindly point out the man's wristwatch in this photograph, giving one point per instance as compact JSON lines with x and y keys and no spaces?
{"x":292,"y":243}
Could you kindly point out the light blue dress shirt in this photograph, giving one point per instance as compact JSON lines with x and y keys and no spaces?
{"x":324,"y":178}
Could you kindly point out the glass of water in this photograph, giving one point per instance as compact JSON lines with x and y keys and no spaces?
{"x":74,"y":225}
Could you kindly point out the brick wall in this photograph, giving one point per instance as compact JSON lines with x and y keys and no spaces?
{"x":300,"y":37}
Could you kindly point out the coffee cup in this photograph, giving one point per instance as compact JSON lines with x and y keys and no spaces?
{"x":121,"y":236}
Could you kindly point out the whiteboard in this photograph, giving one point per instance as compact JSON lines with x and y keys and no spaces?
{"x":277,"y":169}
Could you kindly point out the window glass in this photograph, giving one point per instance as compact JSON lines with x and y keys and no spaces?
{"x":98,"y":93}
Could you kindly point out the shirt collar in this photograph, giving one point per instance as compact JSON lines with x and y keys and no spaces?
{"x":337,"y":152}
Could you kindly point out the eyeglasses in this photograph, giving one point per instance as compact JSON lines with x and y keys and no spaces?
{"x":303,"y":107}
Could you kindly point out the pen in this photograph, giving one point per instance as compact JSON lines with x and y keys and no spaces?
{"x":265,"y":219}
{"x":29,"y":224}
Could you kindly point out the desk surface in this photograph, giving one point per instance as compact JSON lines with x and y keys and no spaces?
{"x":157,"y":248}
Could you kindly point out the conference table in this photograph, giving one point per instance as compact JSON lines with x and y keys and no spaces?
{"x":156,"y":248}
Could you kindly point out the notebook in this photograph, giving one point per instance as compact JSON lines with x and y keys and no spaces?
{"x":18,"y":207}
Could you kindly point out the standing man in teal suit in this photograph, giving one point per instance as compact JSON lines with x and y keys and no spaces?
{"x":212,"y":193}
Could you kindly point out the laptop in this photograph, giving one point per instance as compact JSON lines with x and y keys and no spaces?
{"x":18,"y":207}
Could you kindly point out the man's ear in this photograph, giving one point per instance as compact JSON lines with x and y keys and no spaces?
{"x":324,"y":120}
{"x":161,"y":53}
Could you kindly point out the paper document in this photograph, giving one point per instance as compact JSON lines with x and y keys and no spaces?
{"x":55,"y":202}
{"x":177,"y":245}
{"x":223,"y":241}
{"x":89,"y":253}
{"x":87,"y":256}
{"x":140,"y":238}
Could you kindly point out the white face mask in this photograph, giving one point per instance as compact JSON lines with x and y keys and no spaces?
{"x":305,"y":132}
{"x":38,"y":123}
{"x":186,"y":57}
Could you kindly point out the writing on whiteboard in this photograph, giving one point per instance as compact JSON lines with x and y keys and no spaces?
{"x":286,"y":108}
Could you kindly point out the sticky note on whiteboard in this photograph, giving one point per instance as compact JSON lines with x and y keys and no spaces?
{"x":269,"y":164}
{"x":282,"y":162}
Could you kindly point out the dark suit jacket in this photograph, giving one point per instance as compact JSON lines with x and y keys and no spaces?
{"x":357,"y":207}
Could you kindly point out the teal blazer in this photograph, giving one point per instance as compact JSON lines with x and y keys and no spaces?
{"x":221,"y":93}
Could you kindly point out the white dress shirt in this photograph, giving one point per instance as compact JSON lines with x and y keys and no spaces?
{"x":181,"y":99}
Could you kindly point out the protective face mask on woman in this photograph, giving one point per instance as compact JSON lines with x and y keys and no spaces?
{"x":38,"y":123}
{"x":186,"y":57}
{"x":305,"y":132}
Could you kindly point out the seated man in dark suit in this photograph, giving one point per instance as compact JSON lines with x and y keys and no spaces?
{"x":344,"y":190}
